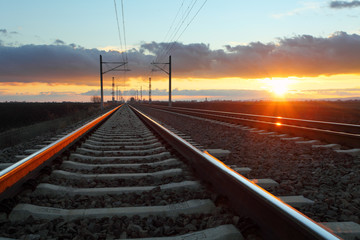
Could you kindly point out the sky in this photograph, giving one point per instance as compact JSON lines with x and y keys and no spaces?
{"x":221,"y":50}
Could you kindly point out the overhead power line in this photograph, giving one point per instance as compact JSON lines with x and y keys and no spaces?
{"x":181,"y":26}
{"x":124,"y":34}
{"x":119,"y":33}
{"x":177,"y":28}
{"x":173,"y":43}
{"x":121,"y":39}
{"x":167,"y":34}
{"x":174,"y":36}
{"x":123,"y":51}
{"x":172,"y":24}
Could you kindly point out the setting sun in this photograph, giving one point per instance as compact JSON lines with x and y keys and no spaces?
{"x":273,"y":65}
{"x":280,"y":89}
{"x":278,"y":86}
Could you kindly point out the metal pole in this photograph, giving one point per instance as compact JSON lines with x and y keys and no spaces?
{"x":113,"y":90}
{"x":149,"y":90}
{"x":123,"y":92}
{"x":101,"y":84}
{"x":140,"y":93}
{"x":170,"y":81}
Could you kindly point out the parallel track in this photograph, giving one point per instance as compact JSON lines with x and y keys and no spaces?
{"x":332,"y":132}
{"x":121,"y":182}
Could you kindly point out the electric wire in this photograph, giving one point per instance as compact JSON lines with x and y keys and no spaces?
{"x":123,"y":51}
{"x":174,"y":35}
{"x":124,"y":32}
{"x":165,"y":38}
{"x":171,"y":26}
{"x":178,"y":27}
{"x":123,"y":22}
{"x":173,"y":44}
{"x":118,"y":27}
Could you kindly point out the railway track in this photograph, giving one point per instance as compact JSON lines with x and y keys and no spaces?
{"x":131,"y":179}
{"x":300,"y":167}
{"x":332,"y":132}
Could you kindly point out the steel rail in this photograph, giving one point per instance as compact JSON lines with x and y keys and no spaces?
{"x":331,"y":136}
{"x":276,"y":219}
{"x":17,"y":173}
{"x":336,"y":126}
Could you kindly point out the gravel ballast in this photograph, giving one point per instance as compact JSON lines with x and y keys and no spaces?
{"x":330,"y":179}
{"x":73,"y":210}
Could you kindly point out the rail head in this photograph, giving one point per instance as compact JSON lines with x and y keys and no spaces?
{"x":12,"y":175}
{"x":276,"y":218}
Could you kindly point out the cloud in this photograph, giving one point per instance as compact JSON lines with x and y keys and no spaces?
{"x":31,"y":62}
{"x":301,"y":56}
{"x":344,"y":4}
{"x":223,"y":92}
{"x":335,"y":92}
{"x":45,"y":97}
{"x":59,"y":42}
{"x":306,"y":6}
{"x":5,"y":32}
{"x":64,"y":63}
{"x":237,"y":94}
{"x":53,"y":93}
{"x":230,"y":93}
{"x":96,"y":92}
{"x":108,"y":92}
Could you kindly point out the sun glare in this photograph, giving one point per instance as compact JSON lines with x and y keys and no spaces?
{"x":278,"y":86}
{"x":280,"y":89}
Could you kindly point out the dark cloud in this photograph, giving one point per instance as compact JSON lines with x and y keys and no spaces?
{"x":59,"y":42}
{"x":30,"y":63}
{"x":6,"y":33}
{"x":300,"y":56}
{"x":62,"y":63}
{"x":344,"y":4}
